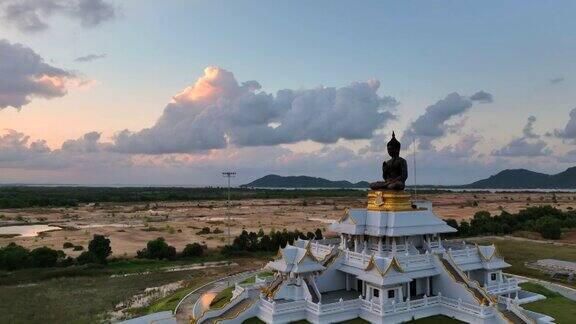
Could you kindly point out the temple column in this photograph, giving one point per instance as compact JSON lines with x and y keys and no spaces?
{"x":347,"y":282}
{"x":342,"y":242}
{"x":356,"y":244}
{"x":427,"y":286}
{"x":379,"y":245}
{"x":393,"y":245}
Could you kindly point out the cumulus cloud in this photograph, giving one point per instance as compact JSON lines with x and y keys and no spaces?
{"x":25,"y":75}
{"x":90,"y":58}
{"x":433,"y":124}
{"x":18,"y":151}
{"x":569,"y":131}
{"x":218,"y":111}
{"x":33,"y":15}
{"x":529,"y":144}
{"x":556,"y":80}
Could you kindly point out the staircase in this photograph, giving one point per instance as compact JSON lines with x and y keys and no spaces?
{"x":478,"y":293}
{"x":271,"y":289}
{"x":330,"y":258}
{"x":232,"y":312}
{"x":313,"y":293}
{"x":514,"y":314}
{"x":511,"y":317}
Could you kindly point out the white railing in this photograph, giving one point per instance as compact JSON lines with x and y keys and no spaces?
{"x":415,"y":261}
{"x":281,"y":308}
{"x":355,"y":259}
{"x":505,"y":286}
{"x":413,"y":305}
{"x":320,"y":250}
{"x":339,"y":306}
{"x":376,"y":307}
{"x":407,"y":261}
{"x":467,"y":254}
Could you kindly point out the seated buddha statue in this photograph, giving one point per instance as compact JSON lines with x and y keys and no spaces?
{"x":394,"y":171}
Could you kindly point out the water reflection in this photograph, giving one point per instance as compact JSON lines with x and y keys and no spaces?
{"x":27,"y":230}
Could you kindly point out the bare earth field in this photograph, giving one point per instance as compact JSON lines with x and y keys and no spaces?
{"x":130,"y":226}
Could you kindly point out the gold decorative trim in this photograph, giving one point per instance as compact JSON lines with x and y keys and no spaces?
{"x":393,"y":263}
{"x":389,"y":200}
{"x":347,"y":215}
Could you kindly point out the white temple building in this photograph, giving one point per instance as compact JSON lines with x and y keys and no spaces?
{"x":390,"y":265}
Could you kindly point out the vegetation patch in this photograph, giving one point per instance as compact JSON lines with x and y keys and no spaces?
{"x":222,"y":298}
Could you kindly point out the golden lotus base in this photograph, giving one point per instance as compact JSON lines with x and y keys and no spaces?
{"x":389,"y":200}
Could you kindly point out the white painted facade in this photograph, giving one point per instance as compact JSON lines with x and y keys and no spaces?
{"x":389,"y":267}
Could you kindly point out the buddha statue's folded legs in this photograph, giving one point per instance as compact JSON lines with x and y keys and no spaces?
{"x":387,"y":185}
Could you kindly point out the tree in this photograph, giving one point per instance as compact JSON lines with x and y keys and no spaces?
{"x":157,"y":249}
{"x":43,"y":257}
{"x":549,"y":227}
{"x":318,"y":234}
{"x":14,"y":257}
{"x":193,"y":250}
{"x":100,"y":247}
{"x":87,"y":257}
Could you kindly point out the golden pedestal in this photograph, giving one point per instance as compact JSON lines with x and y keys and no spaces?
{"x":389,"y":200}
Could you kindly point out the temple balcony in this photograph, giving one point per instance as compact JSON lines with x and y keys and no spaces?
{"x":408,"y":262}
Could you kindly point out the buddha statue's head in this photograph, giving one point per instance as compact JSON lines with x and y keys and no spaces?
{"x":393,"y":146}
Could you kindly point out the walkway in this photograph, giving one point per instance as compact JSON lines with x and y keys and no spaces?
{"x":184,"y":308}
{"x":567,"y":292}
{"x":233,"y":311}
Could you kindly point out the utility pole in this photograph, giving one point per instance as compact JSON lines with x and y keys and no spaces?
{"x":414,"y":164}
{"x":228,"y":175}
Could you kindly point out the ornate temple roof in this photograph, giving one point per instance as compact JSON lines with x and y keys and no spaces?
{"x":294,"y":259}
{"x":391,"y":223}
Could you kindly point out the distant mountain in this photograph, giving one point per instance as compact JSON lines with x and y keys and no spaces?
{"x":526,"y":179}
{"x":276,"y":181}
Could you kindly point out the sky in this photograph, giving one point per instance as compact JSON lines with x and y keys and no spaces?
{"x":102,"y":92}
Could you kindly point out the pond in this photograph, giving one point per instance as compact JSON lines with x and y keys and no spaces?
{"x":27,"y":230}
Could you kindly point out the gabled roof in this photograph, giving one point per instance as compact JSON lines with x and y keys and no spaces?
{"x":293,"y":259}
{"x":384,"y":271}
{"x":383,"y":265}
{"x":486,"y":252}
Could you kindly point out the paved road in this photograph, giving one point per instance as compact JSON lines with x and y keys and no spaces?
{"x":184,"y":310}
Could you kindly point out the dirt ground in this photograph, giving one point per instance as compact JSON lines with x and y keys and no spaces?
{"x":130,"y":226}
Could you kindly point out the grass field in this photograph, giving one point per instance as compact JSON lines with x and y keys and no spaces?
{"x":517,"y":253}
{"x":555,"y":305}
{"x":86,"y":294}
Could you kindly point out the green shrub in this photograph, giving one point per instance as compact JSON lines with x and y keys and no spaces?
{"x":193,"y":250}
{"x":44,"y":257}
{"x":157,"y":249}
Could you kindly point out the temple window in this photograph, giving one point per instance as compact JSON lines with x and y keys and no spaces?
{"x":391,"y":293}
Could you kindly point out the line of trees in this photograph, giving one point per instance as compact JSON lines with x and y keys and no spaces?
{"x":24,"y":197}
{"x":160,"y":250}
{"x":546,"y":220}
{"x":15,"y":257}
{"x":253,"y":242}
